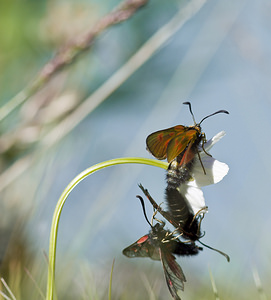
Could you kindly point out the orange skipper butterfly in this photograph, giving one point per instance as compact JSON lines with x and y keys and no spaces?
{"x":174,"y":141}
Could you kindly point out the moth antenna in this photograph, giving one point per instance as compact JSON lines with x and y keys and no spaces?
{"x":222,"y":253}
{"x":144,"y":210}
{"x":217,"y":112}
{"x":190,"y":108}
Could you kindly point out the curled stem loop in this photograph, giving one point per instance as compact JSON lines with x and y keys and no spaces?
{"x":63,"y":197}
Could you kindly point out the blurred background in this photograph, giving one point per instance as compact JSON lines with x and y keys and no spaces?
{"x":219,"y":59}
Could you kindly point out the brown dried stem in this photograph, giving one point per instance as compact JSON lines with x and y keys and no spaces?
{"x":67,"y":54}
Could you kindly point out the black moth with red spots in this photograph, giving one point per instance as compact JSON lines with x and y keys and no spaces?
{"x":161,"y":244}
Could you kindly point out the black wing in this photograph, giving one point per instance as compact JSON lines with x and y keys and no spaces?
{"x":142,"y":248}
{"x":182,"y":213}
{"x":173,"y":273}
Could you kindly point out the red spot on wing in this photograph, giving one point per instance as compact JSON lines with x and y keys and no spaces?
{"x":142,"y":239}
{"x":188,"y":155}
{"x":160,"y":137}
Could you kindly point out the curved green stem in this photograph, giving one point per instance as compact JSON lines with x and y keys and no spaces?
{"x":63,"y":197}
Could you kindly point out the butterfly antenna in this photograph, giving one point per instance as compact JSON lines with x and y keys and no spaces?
{"x":217,"y":112}
{"x":222,"y":253}
{"x":143,"y":207}
{"x":190,"y":108}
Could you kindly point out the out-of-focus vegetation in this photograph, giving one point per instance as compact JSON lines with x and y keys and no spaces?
{"x":218,"y":61}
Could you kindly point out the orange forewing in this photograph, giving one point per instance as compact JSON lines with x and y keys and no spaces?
{"x":177,"y":145}
{"x":188,"y":155}
{"x":157,"y":142}
{"x":169,"y":143}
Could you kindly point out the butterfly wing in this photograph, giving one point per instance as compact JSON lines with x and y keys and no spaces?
{"x":210,"y":143}
{"x":178,"y":143}
{"x":142,"y":248}
{"x":177,"y":205}
{"x":193,"y":196}
{"x":215,"y":170}
{"x":173,"y":273}
{"x":157,"y":142}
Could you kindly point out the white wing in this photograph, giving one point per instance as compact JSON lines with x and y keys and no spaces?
{"x":210,"y":143}
{"x":214,"y":169}
{"x":193,"y":195}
